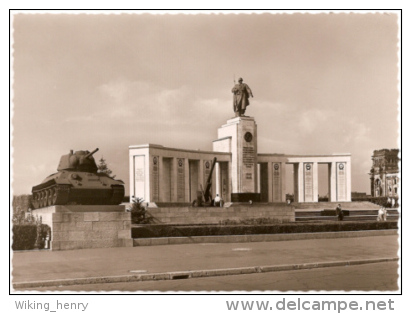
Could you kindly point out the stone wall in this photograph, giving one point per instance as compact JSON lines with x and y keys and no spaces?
{"x":82,"y":227}
{"x":213,"y":215}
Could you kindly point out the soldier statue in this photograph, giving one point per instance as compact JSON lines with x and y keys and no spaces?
{"x":241,"y":93}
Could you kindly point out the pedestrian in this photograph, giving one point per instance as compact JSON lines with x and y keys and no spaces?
{"x":382,"y":214}
{"x":217,"y":200}
{"x":340,"y":214}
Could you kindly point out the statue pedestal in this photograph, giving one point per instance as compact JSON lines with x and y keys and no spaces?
{"x":239,"y":136}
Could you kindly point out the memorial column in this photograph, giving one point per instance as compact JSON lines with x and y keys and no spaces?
{"x":315,"y":182}
{"x":270,"y":181}
{"x":186,"y":181}
{"x":283,"y":181}
{"x":218,"y":179}
{"x":349,"y":180}
{"x":174,"y":180}
{"x":332,"y":181}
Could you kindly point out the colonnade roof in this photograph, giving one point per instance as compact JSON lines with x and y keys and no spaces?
{"x":303,"y":156}
{"x":288,"y":157}
{"x":197,"y":151}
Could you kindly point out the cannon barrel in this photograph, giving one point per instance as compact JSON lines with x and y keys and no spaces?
{"x":91,"y":153}
{"x":207,"y":194}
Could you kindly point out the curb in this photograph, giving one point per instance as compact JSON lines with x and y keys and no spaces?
{"x":262,"y":237}
{"x":194,"y":273}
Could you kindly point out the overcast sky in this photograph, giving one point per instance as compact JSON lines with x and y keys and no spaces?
{"x":322,"y":84}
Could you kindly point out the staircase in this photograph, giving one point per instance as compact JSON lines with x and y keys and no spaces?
{"x":333,"y":205}
{"x":353,"y":211}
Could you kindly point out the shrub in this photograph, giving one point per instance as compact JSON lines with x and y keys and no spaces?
{"x":154,"y":231}
{"x":24,"y":237}
{"x":139,"y":214}
{"x":28,"y":232}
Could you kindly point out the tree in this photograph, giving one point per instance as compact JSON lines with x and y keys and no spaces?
{"x":103,"y":168}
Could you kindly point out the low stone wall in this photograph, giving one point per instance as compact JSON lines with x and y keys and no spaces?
{"x":81,"y":227}
{"x":262,"y":237}
{"x":214,"y":215}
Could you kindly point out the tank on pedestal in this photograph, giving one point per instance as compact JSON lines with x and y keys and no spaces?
{"x":77,"y":182}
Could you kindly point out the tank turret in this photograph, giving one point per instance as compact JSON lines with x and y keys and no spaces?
{"x":78,"y":161}
{"x":77,"y":182}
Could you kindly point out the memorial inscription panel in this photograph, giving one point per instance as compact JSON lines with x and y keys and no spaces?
{"x":248,"y":156}
{"x":139,"y":177}
{"x":155,"y":179}
{"x":308,"y":182}
{"x":180,"y":180}
{"x":342,"y":181}
{"x":277,"y":182}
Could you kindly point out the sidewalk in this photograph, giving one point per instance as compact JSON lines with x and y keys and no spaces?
{"x":47,"y":265}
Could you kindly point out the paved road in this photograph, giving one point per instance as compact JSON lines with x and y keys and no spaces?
{"x":369,"y":277}
{"x":53,"y":265}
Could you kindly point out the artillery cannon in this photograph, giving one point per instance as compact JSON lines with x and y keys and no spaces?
{"x":204,"y":197}
{"x":77,"y":182}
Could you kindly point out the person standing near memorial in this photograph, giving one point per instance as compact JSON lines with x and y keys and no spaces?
{"x":241,"y":95}
{"x":340,"y":214}
{"x":218,"y":201}
{"x":382,"y":214}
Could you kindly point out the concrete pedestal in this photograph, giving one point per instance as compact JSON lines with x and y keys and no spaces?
{"x":239,"y":136}
{"x":84,"y":227}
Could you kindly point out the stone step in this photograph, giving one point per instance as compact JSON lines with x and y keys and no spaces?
{"x":346,"y":218}
{"x":327,"y":205}
{"x":352,"y":212}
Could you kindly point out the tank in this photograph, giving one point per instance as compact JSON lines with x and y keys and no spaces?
{"x":77,"y":182}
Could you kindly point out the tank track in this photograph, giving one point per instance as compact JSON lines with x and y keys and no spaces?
{"x":59,"y":194}
{"x":118,"y":194}
{"x":51,"y":195}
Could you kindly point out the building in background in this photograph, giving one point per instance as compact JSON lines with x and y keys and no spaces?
{"x":385,"y":173}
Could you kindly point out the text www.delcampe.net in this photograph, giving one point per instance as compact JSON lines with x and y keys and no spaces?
{"x":304,"y":305}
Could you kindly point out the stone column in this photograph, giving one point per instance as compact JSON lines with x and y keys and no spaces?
{"x":230,"y":181}
{"x":174,"y":180}
{"x":283,"y":181}
{"x":315,"y":182}
{"x":154,"y":179}
{"x":186,"y":181}
{"x":277,"y":177}
{"x":161,"y":179}
{"x":333,"y":181}
{"x":131,"y":175}
{"x":270,"y":181}
{"x":348,"y":181}
{"x":295,"y":176}
{"x":301,"y":182}
{"x":218,"y":179}
{"x":201,"y":178}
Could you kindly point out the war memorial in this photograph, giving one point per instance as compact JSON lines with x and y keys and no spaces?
{"x":160,"y":174}
{"x":178,"y":186}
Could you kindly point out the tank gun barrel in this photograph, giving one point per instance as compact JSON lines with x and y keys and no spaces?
{"x":91,"y":153}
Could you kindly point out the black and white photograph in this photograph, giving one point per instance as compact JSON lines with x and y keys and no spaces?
{"x":205,"y":152}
